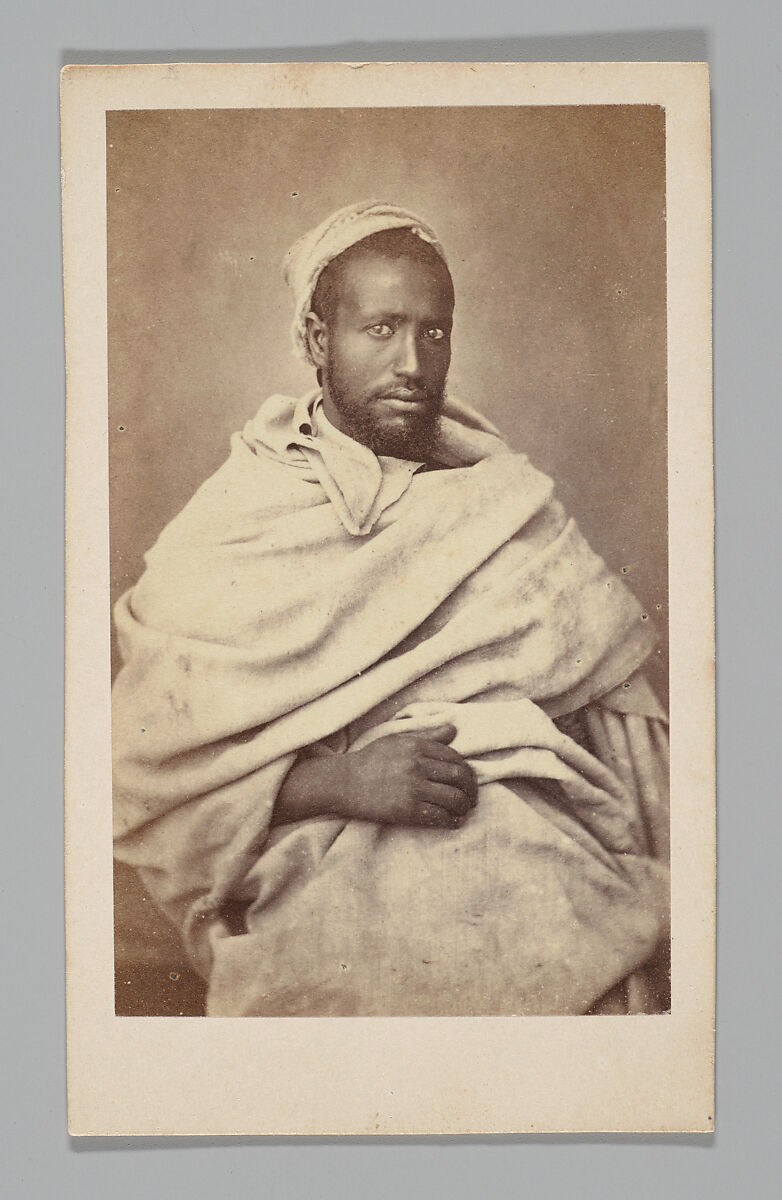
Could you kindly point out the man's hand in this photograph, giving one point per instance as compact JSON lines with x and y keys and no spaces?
{"x":400,"y":779}
{"x":410,"y":779}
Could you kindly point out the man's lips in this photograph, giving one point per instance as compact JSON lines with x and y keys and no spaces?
{"x":402,"y":400}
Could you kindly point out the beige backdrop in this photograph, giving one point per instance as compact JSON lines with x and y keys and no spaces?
{"x":554,"y":220}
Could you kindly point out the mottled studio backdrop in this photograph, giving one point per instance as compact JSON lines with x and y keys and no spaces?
{"x":554,"y":223}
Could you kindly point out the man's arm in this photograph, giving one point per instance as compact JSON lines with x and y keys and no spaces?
{"x":402,"y":779}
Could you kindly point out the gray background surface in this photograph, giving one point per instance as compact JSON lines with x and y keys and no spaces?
{"x":742,"y":43}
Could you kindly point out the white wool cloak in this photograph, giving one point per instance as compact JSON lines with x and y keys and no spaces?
{"x":263,"y":629}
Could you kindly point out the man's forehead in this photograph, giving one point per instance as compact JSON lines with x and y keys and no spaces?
{"x":375,"y":280}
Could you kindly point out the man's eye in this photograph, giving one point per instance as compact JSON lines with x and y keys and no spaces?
{"x":435,"y":334}
{"x":380,"y":331}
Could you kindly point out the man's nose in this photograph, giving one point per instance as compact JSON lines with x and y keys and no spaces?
{"x":408,"y":360}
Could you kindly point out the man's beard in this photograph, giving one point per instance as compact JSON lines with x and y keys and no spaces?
{"x":413,"y":439}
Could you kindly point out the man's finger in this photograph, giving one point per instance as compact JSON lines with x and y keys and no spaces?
{"x":441,"y":733}
{"x":458,"y":774}
{"x":435,"y":817}
{"x":441,"y":751}
{"x":454,"y":799}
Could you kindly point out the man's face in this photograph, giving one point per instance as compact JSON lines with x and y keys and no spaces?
{"x":385,"y":354}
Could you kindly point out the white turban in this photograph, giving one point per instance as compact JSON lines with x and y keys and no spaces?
{"x":308,"y":256}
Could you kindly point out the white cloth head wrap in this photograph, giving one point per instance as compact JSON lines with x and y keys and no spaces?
{"x":308,"y":256}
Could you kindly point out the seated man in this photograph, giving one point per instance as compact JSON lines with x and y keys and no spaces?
{"x":382,"y":745}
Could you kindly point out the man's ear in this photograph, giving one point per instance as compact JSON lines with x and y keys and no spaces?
{"x":317,"y":338}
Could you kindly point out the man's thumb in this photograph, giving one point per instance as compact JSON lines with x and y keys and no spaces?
{"x":444,"y":733}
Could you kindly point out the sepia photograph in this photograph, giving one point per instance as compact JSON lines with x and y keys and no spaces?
{"x":387,"y":471}
{"x":390,"y":735}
